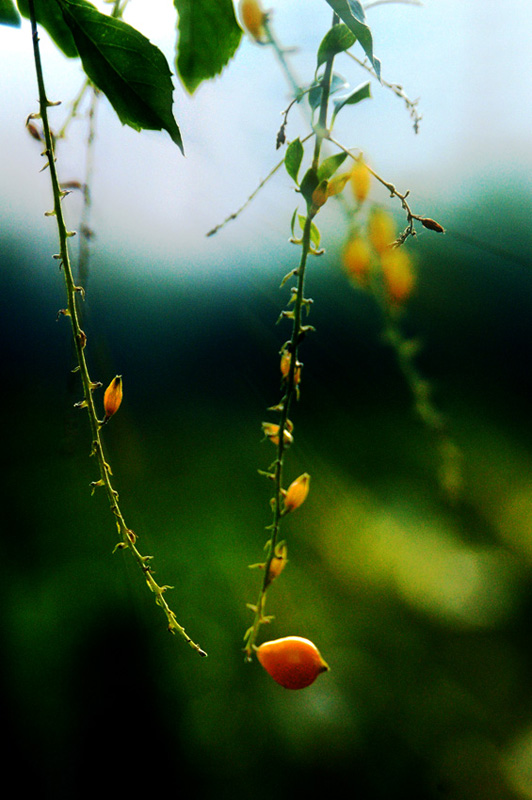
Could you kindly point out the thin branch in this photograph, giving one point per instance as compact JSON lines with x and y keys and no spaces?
{"x":300,"y":303}
{"x":127,"y":536}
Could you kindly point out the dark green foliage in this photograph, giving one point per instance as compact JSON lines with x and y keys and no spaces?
{"x":48,"y":14}
{"x":131,"y":71}
{"x":9,"y":14}
{"x":208,"y":38}
{"x":352,"y":13}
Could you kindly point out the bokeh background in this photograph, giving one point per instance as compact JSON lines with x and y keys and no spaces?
{"x":421,"y":606}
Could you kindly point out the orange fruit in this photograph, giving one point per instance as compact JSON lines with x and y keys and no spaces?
{"x":293,"y":662}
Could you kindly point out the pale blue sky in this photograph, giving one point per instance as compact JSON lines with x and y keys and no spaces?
{"x":469,"y":62}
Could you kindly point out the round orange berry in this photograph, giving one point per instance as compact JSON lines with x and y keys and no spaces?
{"x":293,"y":662}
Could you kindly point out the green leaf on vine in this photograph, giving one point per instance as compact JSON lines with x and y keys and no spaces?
{"x":130,"y":70}
{"x":9,"y":14}
{"x":315,"y":235}
{"x":362,"y":92}
{"x":209,"y":36}
{"x":352,"y":13}
{"x":293,"y":158}
{"x":314,"y":94}
{"x":48,"y":15}
{"x":329,"y":166}
{"x":338,"y":39}
{"x":308,"y":184}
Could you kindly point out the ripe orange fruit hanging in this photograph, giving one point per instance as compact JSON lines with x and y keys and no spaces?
{"x":293,"y":662}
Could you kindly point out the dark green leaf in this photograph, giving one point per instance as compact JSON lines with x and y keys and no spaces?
{"x":208,"y":38}
{"x":49,"y":16}
{"x":9,"y":14}
{"x":308,"y":184}
{"x":329,"y":166}
{"x":293,"y":157}
{"x":336,"y":40}
{"x":130,"y":70}
{"x":314,"y":95}
{"x":362,"y":92}
{"x":352,"y":13}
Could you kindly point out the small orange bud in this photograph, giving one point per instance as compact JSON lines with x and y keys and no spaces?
{"x":360,"y":181}
{"x":253,"y":18}
{"x":297,"y":492}
{"x":112,"y":397}
{"x":398,"y":274}
{"x":293,"y":662}
{"x":271,"y":431}
{"x":356,"y":258}
{"x":278,"y":562}
{"x":381,"y":229}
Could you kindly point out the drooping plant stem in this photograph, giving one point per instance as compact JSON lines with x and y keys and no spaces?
{"x":299,"y":330}
{"x":127,"y":538}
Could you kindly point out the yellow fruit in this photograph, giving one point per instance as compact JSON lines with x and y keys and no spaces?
{"x":399,"y":276}
{"x":381,"y":230}
{"x":253,"y":18}
{"x":360,"y":181}
{"x":293,"y":662}
{"x":356,"y":258}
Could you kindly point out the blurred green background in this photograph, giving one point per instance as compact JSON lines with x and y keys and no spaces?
{"x":421,"y":607}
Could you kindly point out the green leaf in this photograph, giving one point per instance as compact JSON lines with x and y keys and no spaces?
{"x":338,"y":39}
{"x":352,"y":13}
{"x":362,"y":92}
{"x":9,"y":14}
{"x":315,"y":235}
{"x":314,"y":95}
{"x":293,"y":158}
{"x":130,"y":70}
{"x":329,"y":166}
{"x":48,"y":15}
{"x":209,"y":36}
{"x":308,"y":184}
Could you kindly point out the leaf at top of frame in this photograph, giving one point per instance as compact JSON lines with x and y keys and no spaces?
{"x":293,"y":158}
{"x":131,"y":71}
{"x":337,"y":39}
{"x":48,"y":15}
{"x":209,"y":36}
{"x":9,"y":14}
{"x":352,"y":13}
{"x":362,"y":92}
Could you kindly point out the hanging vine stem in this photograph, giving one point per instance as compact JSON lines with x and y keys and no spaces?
{"x":284,"y":430}
{"x":126,"y":535}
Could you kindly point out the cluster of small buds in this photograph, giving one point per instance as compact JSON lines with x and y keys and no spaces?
{"x":286,"y":360}
{"x":373,"y":252}
{"x":271,"y":431}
